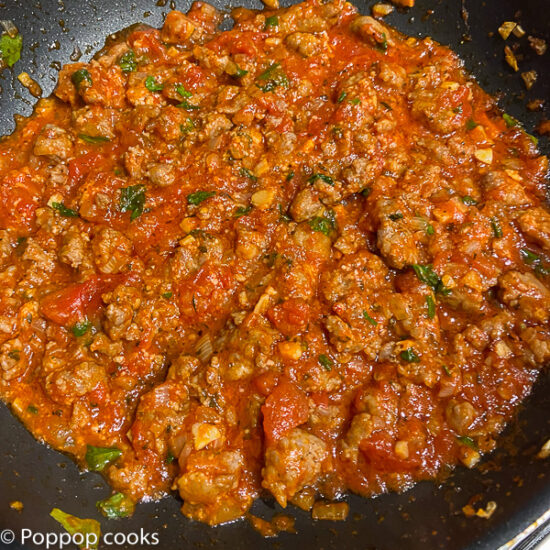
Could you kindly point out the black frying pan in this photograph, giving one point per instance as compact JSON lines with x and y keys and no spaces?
{"x":427,"y":517}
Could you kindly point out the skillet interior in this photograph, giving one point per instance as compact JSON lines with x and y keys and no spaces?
{"x":425,"y":517}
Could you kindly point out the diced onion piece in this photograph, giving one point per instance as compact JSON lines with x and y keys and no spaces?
{"x":204,"y":434}
{"x":518,"y":32}
{"x":506,"y":29}
{"x":203,"y":348}
{"x":334,"y":511}
{"x":529,"y":78}
{"x":305,"y":499}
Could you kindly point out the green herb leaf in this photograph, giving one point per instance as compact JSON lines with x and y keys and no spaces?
{"x":94,"y":140}
{"x":183,"y":91}
{"x":239,"y":73}
{"x":169,"y":458}
{"x":396,"y":216}
{"x":242,"y":211}
{"x":275,"y":76}
{"x":427,"y":275}
{"x":272,"y":21}
{"x":188,"y":106}
{"x":268,"y":73}
{"x":471,"y":124}
{"x":469,"y":201}
{"x":410,"y":356}
{"x":128,"y":62}
{"x":90,"y":529}
{"x":325,"y":361}
{"x":246,"y":173}
{"x":384,"y":43}
{"x":532,"y":138}
{"x":468,"y":441}
{"x":509,"y":120}
{"x":116,"y":506}
{"x":81,"y":328}
{"x":323,"y":225}
{"x":497,"y":230}
{"x":342,"y":96}
{"x":431,"y":306}
{"x":32,"y":409}
{"x":152,"y":86}
{"x":80,"y":76}
{"x":132,"y":199}
{"x":366,"y":192}
{"x":290,"y":175}
{"x":447,"y":370}
{"x":386,"y":105}
{"x":323,"y":177}
{"x":10,"y":48}
{"x":167,"y":295}
{"x":529,"y":257}
{"x":199,"y":196}
{"x":355,"y":101}
{"x":430,"y":229}
{"x":64,"y":211}
{"x":99,"y":457}
{"x":372,"y":321}
{"x":187,"y":127}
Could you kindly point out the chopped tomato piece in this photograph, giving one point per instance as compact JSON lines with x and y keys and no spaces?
{"x":286,"y":408}
{"x":379,"y":452}
{"x":291,"y":316}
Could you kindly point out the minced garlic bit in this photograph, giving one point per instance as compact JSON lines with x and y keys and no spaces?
{"x":518,"y":32}
{"x":510,"y":58}
{"x":506,"y":29}
{"x":529,"y":77}
{"x":381,"y":10}
{"x":484,"y":155}
{"x":538,"y":44}
{"x":16,"y":505}
{"x":544,"y":451}
{"x":485,"y":513}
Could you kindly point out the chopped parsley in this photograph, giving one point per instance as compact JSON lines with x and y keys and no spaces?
{"x":431,"y":306}
{"x":471,"y":124}
{"x":342,"y":96}
{"x":372,"y":321}
{"x":509,"y":120}
{"x":497,"y":230}
{"x":242,"y":211}
{"x":32,"y":409}
{"x":116,"y":506}
{"x":64,"y":211}
{"x":199,"y":196}
{"x":183,"y":91}
{"x":132,"y":199}
{"x":447,"y":370}
{"x":81,"y":328}
{"x":94,"y":140}
{"x":127,"y":62}
{"x":468,"y":441}
{"x":396,"y":216}
{"x":273,"y":76}
{"x":323,"y":177}
{"x":427,"y":275}
{"x":167,"y":295}
{"x":246,"y":173}
{"x":469,"y":201}
{"x":410,"y":356}
{"x":80,"y":76}
{"x":99,"y":457}
{"x":272,"y":21}
{"x":10,"y":48}
{"x":325,"y":224}
{"x":384,"y":43}
{"x":325,"y":361}
{"x":239,"y":73}
{"x":187,"y":127}
{"x":152,"y":85}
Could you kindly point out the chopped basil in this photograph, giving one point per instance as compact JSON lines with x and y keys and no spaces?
{"x":386,"y":105}
{"x":88,"y":529}
{"x":268,"y":73}
{"x":497,"y":230}
{"x":290,"y":175}
{"x":529,"y":257}
{"x":188,"y":106}
{"x":32,"y":409}
{"x":10,"y":48}
{"x":245,"y":172}
{"x":64,"y":211}
{"x":366,"y":192}
{"x":152,"y":86}
{"x":447,"y":370}
{"x":169,"y":458}
{"x":396,"y":216}
{"x":99,"y":457}
{"x":167,"y":295}
{"x":116,"y":506}
{"x":323,"y":177}
{"x":272,"y":21}
{"x":469,"y":201}
{"x":128,"y":62}
{"x":427,"y":275}
{"x":80,"y":76}
{"x":468,"y":441}
{"x":274,"y":76}
{"x":242,"y":211}
{"x":325,"y":361}
{"x":81,"y":328}
{"x":132,"y":199}
{"x":372,"y":321}
{"x":94,"y":140}
{"x":410,"y":356}
{"x":187,"y":127}
{"x":355,"y":101}
{"x":199,"y":196}
{"x":384,"y":43}
{"x":471,"y":124}
{"x":430,"y":229}
{"x":431,"y":306}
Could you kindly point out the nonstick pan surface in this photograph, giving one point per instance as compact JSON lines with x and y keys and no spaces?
{"x":426,"y":517}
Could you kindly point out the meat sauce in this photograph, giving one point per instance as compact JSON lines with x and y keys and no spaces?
{"x":304,"y":256}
